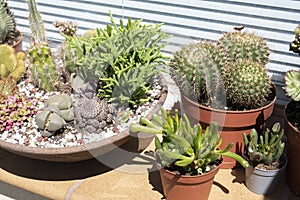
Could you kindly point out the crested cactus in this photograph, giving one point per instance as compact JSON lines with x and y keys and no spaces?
{"x":12,"y":64}
{"x":7,"y":23}
{"x":241,"y":45}
{"x":184,"y":148}
{"x":264,"y":149}
{"x":93,"y":115}
{"x":193,"y":67}
{"x":247,"y":84}
{"x":42,"y":65}
{"x":58,"y":110}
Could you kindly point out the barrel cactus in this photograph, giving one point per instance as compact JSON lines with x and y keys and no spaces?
{"x":7,"y":24}
{"x":194,"y":68}
{"x":247,"y":84}
{"x":241,"y":45}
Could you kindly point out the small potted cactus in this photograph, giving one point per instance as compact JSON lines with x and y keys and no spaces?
{"x":8,"y":32}
{"x":188,"y":157}
{"x":292,"y":120}
{"x":266,"y":158}
{"x":227,"y":82}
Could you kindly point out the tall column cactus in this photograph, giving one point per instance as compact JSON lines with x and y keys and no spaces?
{"x":42,"y":66}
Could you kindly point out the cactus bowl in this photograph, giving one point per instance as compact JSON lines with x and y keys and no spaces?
{"x":123,"y":140}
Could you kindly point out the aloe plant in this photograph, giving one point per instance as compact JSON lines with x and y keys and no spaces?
{"x":264,"y":149}
{"x":185,"y":148}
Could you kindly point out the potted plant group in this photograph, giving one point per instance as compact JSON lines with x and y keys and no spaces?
{"x":78,"y":101}
{"x":8,"y":32}
{"x":267,"y":161}
{"x":227,"y":82}
{"x":188,"y":157}
{"x":292,"y":120}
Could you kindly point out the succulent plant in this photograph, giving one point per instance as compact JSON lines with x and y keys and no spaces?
{"x":7,"y":24}
{"x":295,"y":44}
{"x":93,"y":115}
{"x":12,"y":64}
{"x":58,"y":110}
{"x":42,"y":65}
{"x":241,"y":45}
{"x":185,"y":148}
{"x":264,"y":149}
{"x":15,"y":111}
{"x":114,"y":53}
{"x":247,"y":84}
{"x":193,"y":68}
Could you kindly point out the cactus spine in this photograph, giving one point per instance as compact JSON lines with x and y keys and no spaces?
{"x":241,"y":45}
{"x":42,"y":66}
{"x":247,"y":84}
{"x":7,"y":22}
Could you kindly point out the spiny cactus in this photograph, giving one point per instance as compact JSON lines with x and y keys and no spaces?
{"x":194,"y":67}
{"x":42,"y":66}
{"x":14,"y":111}
{"x":265,"y":149}
{"x":247,"y":84}
{"x":295,"y":44}
{"x":12,"y":64}
{"x":93,"y":115}
{"x":58,"y":110}
{"x":241,"y":45}
{"x":7,"y":23}
{"x":184,"y":148}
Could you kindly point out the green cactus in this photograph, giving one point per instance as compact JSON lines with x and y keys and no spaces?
{"x":42,"y":66}
{"x":241,"y":45}
{"x":247,"y":84}
{"x":292,"y":84}
{"x":7,"y":23}
{"x":12,"y":64}
{"x":185,"y":148}
{"x":264,"y":149}
{"x":193,"y":67}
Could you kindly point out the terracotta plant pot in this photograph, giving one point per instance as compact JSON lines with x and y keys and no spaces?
{"x":18,"y":46}
{"x":264,"y":182}
{"x":180,"y":187}
{"x":293,"y":153}
{"x":232,"y":123}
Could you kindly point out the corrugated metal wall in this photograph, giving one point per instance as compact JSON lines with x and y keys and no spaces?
{"x":186,"y":20}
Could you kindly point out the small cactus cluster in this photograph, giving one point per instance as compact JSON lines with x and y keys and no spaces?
{"x":7,"y":24}
{"x":66,"y":28}
{"x":93,"y":115}
{"x":233,"y":68}
{"x":12,"y":68}
{"x":43,"y":69}
{"x":58,"y":110}
{"x":264,"y":149}
{"x":185,"y":148}
{"x":15,"y":111}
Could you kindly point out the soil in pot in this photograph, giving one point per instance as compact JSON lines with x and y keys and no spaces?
{"x":293,"y":146}
{"x":182,"y":187}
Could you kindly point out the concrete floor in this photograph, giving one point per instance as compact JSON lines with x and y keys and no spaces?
{"x":129,"y":176}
